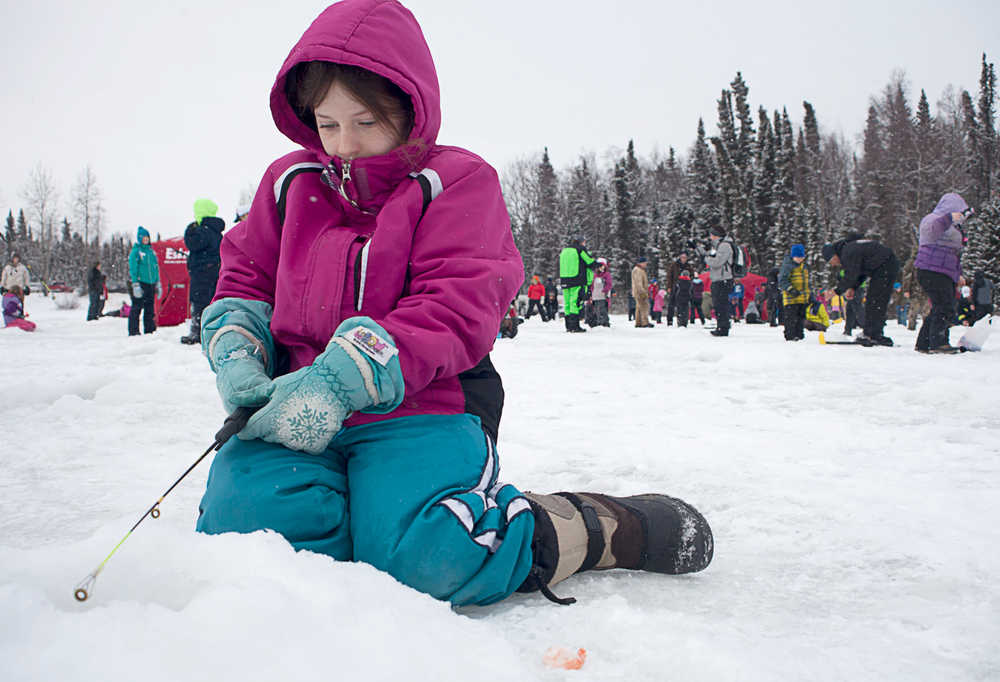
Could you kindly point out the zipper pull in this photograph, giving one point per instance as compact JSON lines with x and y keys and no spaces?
{"x":345,"y":177}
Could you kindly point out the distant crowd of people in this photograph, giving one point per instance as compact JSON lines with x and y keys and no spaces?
{"x":866,"y":294}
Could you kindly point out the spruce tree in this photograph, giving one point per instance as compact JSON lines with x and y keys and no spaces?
{"x":704,"y":187}
{"x":988,"y":146}
{"x":628,"y":237}
{"x":764,"y":181}
{"x":22,"y":226}
{"x":584,"y":208}
{"x":983,"y":249}
{"x":973,"y":146}
{"x":10,"y":234}
{"x":549,"y":229}
{"x":786,"y":216}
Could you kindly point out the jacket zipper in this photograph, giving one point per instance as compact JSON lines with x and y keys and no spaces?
{"x":361,"y":273}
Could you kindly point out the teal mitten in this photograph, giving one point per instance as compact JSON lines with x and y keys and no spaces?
{"x":359,"y":370}
{"x":236,"y":339}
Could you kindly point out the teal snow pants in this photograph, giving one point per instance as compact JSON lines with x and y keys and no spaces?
{"x":416,"y":497}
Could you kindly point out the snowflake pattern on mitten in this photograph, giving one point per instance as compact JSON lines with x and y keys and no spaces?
{"x":308,"y":421}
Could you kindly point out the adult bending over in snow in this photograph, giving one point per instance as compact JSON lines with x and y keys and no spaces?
{"x":358,"y":304}
{"x":865,"y":259}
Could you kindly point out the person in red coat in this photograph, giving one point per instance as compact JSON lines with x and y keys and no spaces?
{"x":536,"y":292}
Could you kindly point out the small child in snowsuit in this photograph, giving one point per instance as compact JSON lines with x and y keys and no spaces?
{"x":793,"y":280}
{"x":697,"y":293}
{"x":509,"y":324}
{"x":658,"y":301}
{"x":13,"y":310}
{"x":817,"y":319}
{"x":536,"y":292}
{"x":683,"y":297}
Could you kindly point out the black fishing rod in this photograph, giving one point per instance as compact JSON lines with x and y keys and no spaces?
{"x":233,"y":424}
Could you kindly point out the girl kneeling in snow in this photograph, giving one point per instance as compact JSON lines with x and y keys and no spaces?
{"x":13,"y":310}
{"x":358,"y":303}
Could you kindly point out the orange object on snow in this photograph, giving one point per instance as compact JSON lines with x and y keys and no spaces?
{"x":561,"y":657}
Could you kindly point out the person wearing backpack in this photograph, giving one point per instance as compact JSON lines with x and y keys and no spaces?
{"x":356,"y":307}
{"x":719,"y":260}
{"x":982,"y":295}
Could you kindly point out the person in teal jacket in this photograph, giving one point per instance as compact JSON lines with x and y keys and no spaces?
{"x":144,"y":272}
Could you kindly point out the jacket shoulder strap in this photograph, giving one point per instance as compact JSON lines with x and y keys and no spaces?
{"x":284,"y":181}
{"x":430,"y":185}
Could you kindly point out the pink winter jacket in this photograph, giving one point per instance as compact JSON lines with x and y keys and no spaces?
{"x":658,"y":299}
{"x":323,"y":242}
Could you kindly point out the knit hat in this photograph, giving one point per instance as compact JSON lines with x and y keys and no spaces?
{"x":203,"y":208}
{"x":798,"y":251}
{"x":828,"y":251}
{"x":642,"y":259}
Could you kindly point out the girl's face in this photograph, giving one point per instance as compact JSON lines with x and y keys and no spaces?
{"x":348,"y":130}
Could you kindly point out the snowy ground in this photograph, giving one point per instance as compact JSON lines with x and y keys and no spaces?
{"x":853,"y":493}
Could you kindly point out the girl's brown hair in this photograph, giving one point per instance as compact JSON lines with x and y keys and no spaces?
{"x":308,"y":82}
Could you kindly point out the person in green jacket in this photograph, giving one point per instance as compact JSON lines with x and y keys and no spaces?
{"x":576,"y":272}
{"x":144,"y":272}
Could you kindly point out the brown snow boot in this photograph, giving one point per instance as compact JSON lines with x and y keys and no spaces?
{"x":576,"y":532}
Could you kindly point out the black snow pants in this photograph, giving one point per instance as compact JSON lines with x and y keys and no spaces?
{"x":877,"y":303}
{"x":683,"y":308}
{"x":145,"y":306}
{"x":941,"y":290}
{"x":96,"y":306}
{"x":794,"y":317}
{"x":695,"y":306}
{"x":720,"y":301}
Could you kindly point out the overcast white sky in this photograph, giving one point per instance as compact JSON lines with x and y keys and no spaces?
{"x":168,"y":101}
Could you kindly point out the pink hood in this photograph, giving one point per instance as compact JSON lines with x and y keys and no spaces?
{"x":352,"y":32}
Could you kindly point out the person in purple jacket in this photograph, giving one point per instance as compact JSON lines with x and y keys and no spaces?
{"x":939,"y":268}
{"x":356,"y":308}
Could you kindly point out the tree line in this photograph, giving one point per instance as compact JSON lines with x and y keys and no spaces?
{"x":770,"y":184}
{"x":61,"y":241}
{"x":766,"y":182}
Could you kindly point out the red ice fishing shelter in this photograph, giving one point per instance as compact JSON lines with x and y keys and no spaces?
{"x":751,"y":283}
{"x":172,"y":307}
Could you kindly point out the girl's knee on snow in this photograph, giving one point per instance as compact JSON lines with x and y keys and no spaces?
{"x":254,"y":485}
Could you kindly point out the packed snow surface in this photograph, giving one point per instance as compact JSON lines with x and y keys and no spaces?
{"x":853,"y":494}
